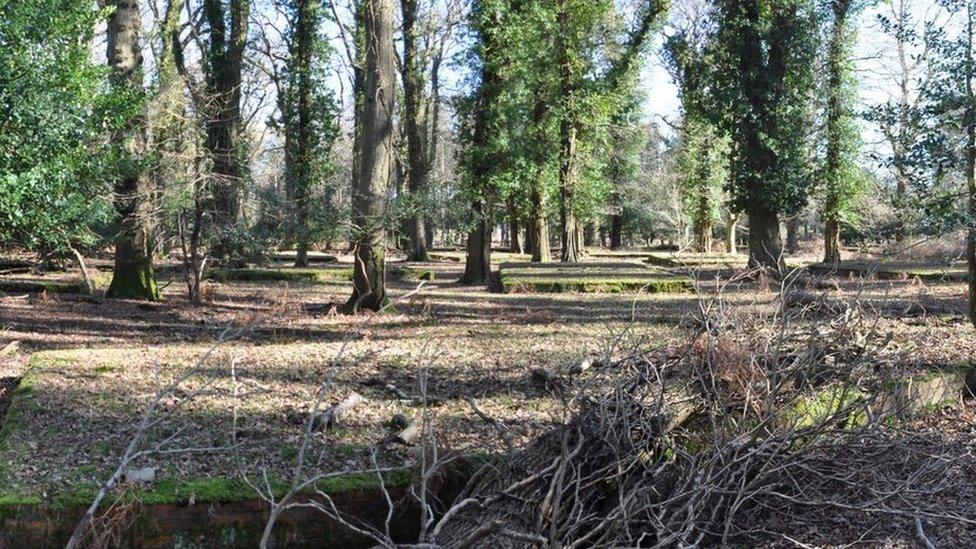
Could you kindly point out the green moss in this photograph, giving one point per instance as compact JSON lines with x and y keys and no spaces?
{"x":812,"y":409}
{"x":411,"y":273}
{"x":133,"y":280}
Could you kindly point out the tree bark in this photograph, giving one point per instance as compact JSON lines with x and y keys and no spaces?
{"x":514,"y":226}
{"x":731,"y":229}
{"x":477,"y":267}
{"x":703,"y":220}
{"x":571,"y":252}
{"x":792,"y":235}
{"x":298,"y":125}
{"x":832,"y":241}
{"x":971,"y":163}
{"x":616,"y":221}
{"x":225,"y":61}
{"x":835,"y":112}
{"x":765,"y":243}
{"x":133,"y":276}
{"x":375,"y":157}
{"x":541,"y":252}
{"x":415,"y":116}
{"x":538,"y":224}
{"x":568,"y":169}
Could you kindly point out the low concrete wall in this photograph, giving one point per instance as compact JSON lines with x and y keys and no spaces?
{"x":232,"y":524}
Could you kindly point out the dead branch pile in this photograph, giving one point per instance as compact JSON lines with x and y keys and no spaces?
{"x":762,"y":414}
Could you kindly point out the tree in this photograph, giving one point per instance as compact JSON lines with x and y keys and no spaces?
{"x":953,"y":97}
{"x":579,"y":91}
{"x":418,"y":158}
{"x":484,"y":150}
{"x":133,"y":276}
{"x":308,"y":118}
{"x":902,"y":118}
{"x":703,"y":147}
{"x":763,"y":76}
{"x":224,"y":64}
{"x":375,"y":155}
{"x":841,"y":174}
{"x":55,"y":116}
{"x":423,"y":53}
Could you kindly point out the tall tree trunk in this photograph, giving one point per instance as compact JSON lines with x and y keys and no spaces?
{"x":477,"y":266}
{"x":703,"y":220}
{"x":900,"y":140}
{"x":297,"y":113}
{"x":730,"y":235}
{"x":589,"y":235}
{"x":792,"y":234}
{"x":415,"y":116}
{"x":168,"y":126}
{"x":541,"y":252}
{"x":835,"y":112}
{"x":616,"y":220}
{"x":514,"y":226}
{"x":971,"y":163}
{"x":832,"y":243}
{"x":570,"y":241}
{"x":223,"y":124}
{"x":537,"y":231}
{"x":375,"y":157}
{"x":133,"y":276}
{"x":568,"y":169}
{"x":765,"y":243}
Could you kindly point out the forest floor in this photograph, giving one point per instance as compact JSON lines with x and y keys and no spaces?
{"x":92,"y":366}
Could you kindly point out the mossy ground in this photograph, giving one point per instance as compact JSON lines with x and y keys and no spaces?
{"x":21,"y":442}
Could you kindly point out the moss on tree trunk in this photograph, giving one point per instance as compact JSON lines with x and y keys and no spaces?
{"x":133,"y":279}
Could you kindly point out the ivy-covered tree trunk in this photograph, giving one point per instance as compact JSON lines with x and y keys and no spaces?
{"x":225,"y":59}
{"x":297,"y":114}
{"x":792,"y":235}
{"x":376,"y":157}
{"x":767,"y":86}
{"x":832,"y":243}
{"x":971,"y":160}
{"x":477,"y":267}
{"x":765,"y":243}
{"x":571,"y":252}
{"x":418,"y":157}
{"x":703,"y":220}
{"x":568,"y":169}
{"x":838,"y":188}
{"x":133,"y":276}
